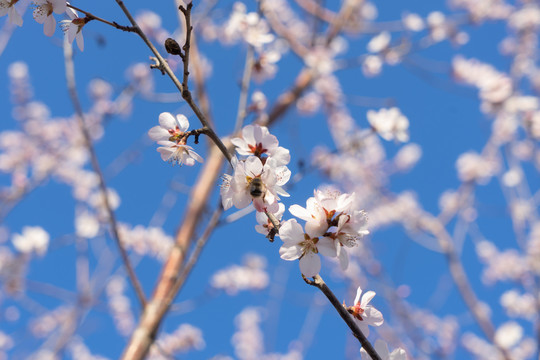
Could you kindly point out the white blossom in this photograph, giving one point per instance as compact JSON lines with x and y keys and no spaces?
{"x":73,"y":28}
{"x":33,"y":239}
{"x":169,"y":128}
{"x":389,"y":124}
{"x":253,"y":181}
{"x":364,"y":313}
{"x":300,"y":245}
{"x":256,"y":140}
{"x":43,"y":13}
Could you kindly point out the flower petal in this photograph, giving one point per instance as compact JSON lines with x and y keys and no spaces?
{"x":310,"y":264}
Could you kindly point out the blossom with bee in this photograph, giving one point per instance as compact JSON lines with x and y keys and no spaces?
{"x":257,"y":182}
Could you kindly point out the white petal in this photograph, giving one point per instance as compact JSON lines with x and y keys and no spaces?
{"x":327,"y":247}
{"x":182,"y":122}
{"x":281,"y":155}
{"x":195,"y":156}
{"x":367,"y":298}
{"x":358,"y":294}
{"x":14,"y":16}
{"x":248,"y":134}
{"x":80,"y":41}
{"x":253,"y":166}
{"x":291,"y":232}
{"x":343,"y":259}
{"x":300,"y":212}
{"x":158,"y":133}
{"x":165,"y":152}
{"x":59,"y":6}
{"x":167,"y":121}
{"x":290,"y":252}
{"x":310,"y":264}
{"x":373,"y":316}
{"x":49,"y":26}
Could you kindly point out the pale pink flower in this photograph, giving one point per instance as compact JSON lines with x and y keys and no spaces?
{"x":349,"y":230}
{"x":7,"y":7}
{"x":299,"y":245}
{"x":382,"y":349}
{"x":253,"y":181}
{"x":32,"y":240}
{"x":73,"y":28}
{"x":178,"y":153}
{"x":363,"y":312}
{"x":379,"y":43}
{"x":43,"y":13}
{"x":323,"y":210}
{"x":413,"y":22}
{"x":390,"y":124}
{"x":372,"y":65}
{"x":257,"y":140}
{"x":169,"y":128}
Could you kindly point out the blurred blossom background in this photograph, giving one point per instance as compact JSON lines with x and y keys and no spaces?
{"x":428,"y":111}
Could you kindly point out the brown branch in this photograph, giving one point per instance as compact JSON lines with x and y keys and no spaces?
{"x":91,"y":16}
{"x":70,"y":80}
{"x":166,"y":68}
{"x":434,"y":226}
{"x":319,"y":283}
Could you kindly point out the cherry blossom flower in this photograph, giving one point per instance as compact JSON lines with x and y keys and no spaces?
{"x":7,"y":7}
{"x":330,"y":214}
{"x":300,"y":245}
{"x":349,"y":229}
{"x":365,"y":313}
{"x":247,"y":26}
{"x":178,"y":153}
{"x":43,"y":13}
{"x":253,"y":181}
{"x":379,"y":43}
{"x":389,"y":124}
{"x":32,"y":240}
{"x":257,"y":140}
{"x":169,"y":128}
{"x":382,"y":349}
{"x":323,"y":210}
{"x":171,"y":133}
{"x":73,"y":28}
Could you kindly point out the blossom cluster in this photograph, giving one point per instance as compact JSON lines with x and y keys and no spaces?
{"x":333,"y":224}
{"x":259,"y":177}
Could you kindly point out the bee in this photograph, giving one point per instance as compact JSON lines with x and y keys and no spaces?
{"x":257,"y":188}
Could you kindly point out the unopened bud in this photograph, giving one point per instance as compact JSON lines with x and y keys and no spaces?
{"x":172,"y":47}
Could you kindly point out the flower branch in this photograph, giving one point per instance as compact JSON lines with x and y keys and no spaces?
{"x":70,"y":79}
{"x":319,"y":283}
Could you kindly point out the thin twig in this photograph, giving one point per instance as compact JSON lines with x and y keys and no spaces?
{"x":70,"y":79}
{"x":319,"y":283}
{"x":186,"y":94}
{"x":91,"y":16}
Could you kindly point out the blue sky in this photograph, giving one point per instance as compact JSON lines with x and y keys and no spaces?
{"x":444,"y":119}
